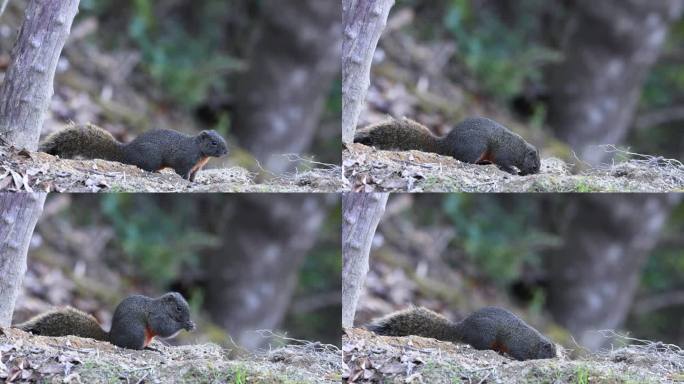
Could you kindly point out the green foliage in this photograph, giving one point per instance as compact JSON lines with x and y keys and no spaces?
{"x":182,"y":54}
{"x":96,"y":7}
{"x":585,"y":186}
{"x":186,"y":65}
{"x":498,"y":240}
{"x":223,"y":124}
{"x":665,"y":83}
{"x":240,"y":375}
{"x":502,"y":58}
{"x":662,"y":274}
{"x":665,"y":268}
{"x":157,"y":241}
{"x":320,"y":274}
{"x":334,"y":100}
{"x":582,"y":375}
{"x":538,"y":117}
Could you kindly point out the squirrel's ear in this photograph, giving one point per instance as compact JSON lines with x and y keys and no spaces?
{"x":205,"y":133}
{"x":173,"y":296}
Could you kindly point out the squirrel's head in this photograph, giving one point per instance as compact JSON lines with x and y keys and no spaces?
{"x":531,"y":162}
{"x":364,"y":137}
{"x":212,"y":144}
{"x":178,"y":310}
{"x":545,"y":350}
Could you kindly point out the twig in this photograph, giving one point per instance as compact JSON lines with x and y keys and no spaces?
{"x":660,"y":117}
{"x":655,"y":302}
{"x":293,"y":157}
{"x":2,"y":8}
{"x":143,"y":378}
{"x":485,"y":378}
{"x":638,"y":157}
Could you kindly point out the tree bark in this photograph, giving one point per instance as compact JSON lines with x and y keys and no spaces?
{"x":363,"y":21}
{"x":251,"y":276}
{"x":18,"y":216}
{"x":294,"y":62}
{"x":361,"y":213}
{"x":610,"y":49}
{"x":28,"y":87}
{"x":593,"y":277}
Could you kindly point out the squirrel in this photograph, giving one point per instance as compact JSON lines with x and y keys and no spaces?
{"x":152,"y":151}
{"x":487,"y":328}
{"x":136,"y":321}
{"x":476,"y":140}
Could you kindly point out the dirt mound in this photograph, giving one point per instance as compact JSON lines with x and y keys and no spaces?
{"x":367,"y":169}
{"x":36,"y":171}
{"x":369,"y":358}
{"x":27,"y":358}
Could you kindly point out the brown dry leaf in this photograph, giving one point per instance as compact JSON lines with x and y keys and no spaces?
{"x":25,"y":153}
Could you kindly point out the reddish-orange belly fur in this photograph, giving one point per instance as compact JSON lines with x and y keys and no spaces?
{"x":149,"y":335}
{"x":487,"y":157}
{"x":201,"y":163}
{"x":499,"y":347}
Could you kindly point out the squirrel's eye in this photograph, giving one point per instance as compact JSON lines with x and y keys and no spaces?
{"x":178,"y":308}
{"x":213,"y":142}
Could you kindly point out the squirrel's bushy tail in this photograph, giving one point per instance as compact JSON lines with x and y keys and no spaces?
{"x":399,"y":135}
{"x":63,"y":322}
{"x":417,"y":321}
{"x":87,"y":141}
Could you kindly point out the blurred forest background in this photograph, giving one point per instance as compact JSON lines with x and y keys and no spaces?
{"x":265,"y":74}
{"x":561,"y":261}
{"x":240,"y":269}
{"x":568,"y":75}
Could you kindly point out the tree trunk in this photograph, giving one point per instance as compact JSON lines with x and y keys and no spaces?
{"x":363,"y":21}
{"x":18,"y":216}
{"x":607,"y":239}
{"x":294,"y":62}
{"x":610,"y":49}
{"x":361,"y":213}
{"x":28,"y":87}
{"x":251,"y":276}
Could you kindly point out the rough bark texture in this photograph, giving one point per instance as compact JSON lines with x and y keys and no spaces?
{"x":361,"y":213}
{"x":607,"y":239}
{"x":252,"y":274}
{"x":28,"y":87}
{"x":294,"y":62}
{"x":18,"y":216}
{"x":364,"y":21}
{"x":610,"y":48}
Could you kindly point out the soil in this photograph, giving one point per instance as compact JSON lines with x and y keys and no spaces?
{"x":21,"y":170}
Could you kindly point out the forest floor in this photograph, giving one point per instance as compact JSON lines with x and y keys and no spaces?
{"x":367,"y":169}
{"x":369,"y":358}
{"x":109,"y":88}
{"x":425,"y":80}
{"x":70,"y":359}
{"x":36,"y":171}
